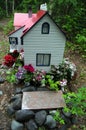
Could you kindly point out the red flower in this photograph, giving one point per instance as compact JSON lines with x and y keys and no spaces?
{"x":29,"y":68}
{"x":9,"y":60}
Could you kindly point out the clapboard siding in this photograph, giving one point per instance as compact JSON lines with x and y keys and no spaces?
{"x":53,"y":43}
{"x":18,"y":34}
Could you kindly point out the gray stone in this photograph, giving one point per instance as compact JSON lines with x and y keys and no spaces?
{"x":40,"y":117}
{"x":28,"y":89}
{"x":74,"y":120}
{"x":1,"y":80}
{"x":15,"y":125}
{"x":31,"y":125}
{"x":1,"y":93}
{"x":67,"y":114}
{"x":17,"y":96}
{"x":64,"y":127}
{"x":10,"y":110}
{"x":18,"y":91}
{"x":66,"y":119}
{"x":24,"y":115}
{"x":17,"y":104}
{"x":52,"y":112}
{"x":27,"y":84}
{"x":50,"y":122}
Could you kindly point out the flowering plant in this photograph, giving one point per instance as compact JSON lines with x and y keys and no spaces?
{"x":15,"y":54}
{"x":9,"y":60}
{"x":21,"y":54}
{"x":29,"y":68}
{"x":25,"y":73}
{"x":65,"y":70}
{"x":20,"y":74}
{"x":39,"y":77}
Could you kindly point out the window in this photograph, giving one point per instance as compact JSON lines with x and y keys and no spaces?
{"x":13,"y":40}
{"x":45,"y":28}
{"x":43,"y":59}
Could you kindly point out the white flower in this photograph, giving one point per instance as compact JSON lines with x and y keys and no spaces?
{"x":63,"y":82}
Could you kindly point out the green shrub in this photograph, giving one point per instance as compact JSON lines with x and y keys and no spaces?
{"x":9,"y":27}
{"x":76,"y":102}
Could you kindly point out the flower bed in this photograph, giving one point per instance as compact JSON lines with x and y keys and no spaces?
{"x":58,"y":78}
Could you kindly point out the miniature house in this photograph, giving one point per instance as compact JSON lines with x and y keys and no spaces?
{"x":42,"y":40}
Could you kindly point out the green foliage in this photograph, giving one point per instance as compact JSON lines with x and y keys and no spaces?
{"x":9,"y":27}
{"x":58,"y":118}
{"x":50,"y":82}
{"x":1,"y":13}
{"x":76,"y":102}
{"x":12,"y":72}
{"x":11,"y":76}
{"x":28,"y":77}
{"x":70,"y":15}
{"x":41,"y":128}
{"x":81,"y":40}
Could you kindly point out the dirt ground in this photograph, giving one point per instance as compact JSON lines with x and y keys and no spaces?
{"x":8,"y":89}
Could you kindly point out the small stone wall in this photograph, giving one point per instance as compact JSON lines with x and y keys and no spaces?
{"x":25,"y":119}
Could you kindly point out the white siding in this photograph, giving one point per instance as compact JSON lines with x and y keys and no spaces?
{"x":17,"y":34}
{"x":52,"y":43}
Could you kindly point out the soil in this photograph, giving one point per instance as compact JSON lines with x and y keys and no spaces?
{"x":8,"y":88}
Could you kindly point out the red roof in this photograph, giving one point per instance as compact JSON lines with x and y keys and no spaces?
{"x":22,"y":19}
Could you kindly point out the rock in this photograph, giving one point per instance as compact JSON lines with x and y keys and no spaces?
{"x":16,"y":125}
{"x":66,"y":119}
{"x":27,"y":84}
{"x":31,"y":125}
{"x":40,"y":117}
{"x":24,"y":115}
{"x":17,"y":104}
{"x":67,"y":114}
{"x":74,"y":120}
{"x":64,"y":127}
{"x":18,"y":91}
{"x":10,"y":110}
{"x":42,"y":89}
{"x":52,"y":112}
{"x":28,"y":89}
{"x":50,"y":122}
{"x":1,"y":80}
{"x":1,"y":93}
{"x":17,"y":96}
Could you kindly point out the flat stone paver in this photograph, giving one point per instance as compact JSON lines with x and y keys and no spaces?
{"x":43,"y":100}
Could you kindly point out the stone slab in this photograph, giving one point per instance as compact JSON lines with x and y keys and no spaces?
{"x":42,"y":100}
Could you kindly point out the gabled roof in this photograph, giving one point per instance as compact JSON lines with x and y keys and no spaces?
{"x":23,"y":20}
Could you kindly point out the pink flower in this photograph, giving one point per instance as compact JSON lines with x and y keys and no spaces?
{"x":29,"y":68}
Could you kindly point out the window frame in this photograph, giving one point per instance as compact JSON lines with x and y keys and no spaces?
{"x":43,"y":54}
{"x":48,"y":28}
{"x":16,"y":39}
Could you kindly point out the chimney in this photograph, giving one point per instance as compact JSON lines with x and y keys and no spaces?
{"x":43,"y":7}
{"x":30,"y":12}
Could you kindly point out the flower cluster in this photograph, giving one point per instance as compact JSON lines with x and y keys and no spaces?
{"x":25,"y":73}
{"x":9,"y":60}
{"x":39,"y":77}
{"x":71,"y":66}
{"x":20,"y":74}
{"x":29,"y":68}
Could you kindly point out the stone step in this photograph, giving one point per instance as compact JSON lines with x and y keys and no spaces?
{"x":43,"y":100}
